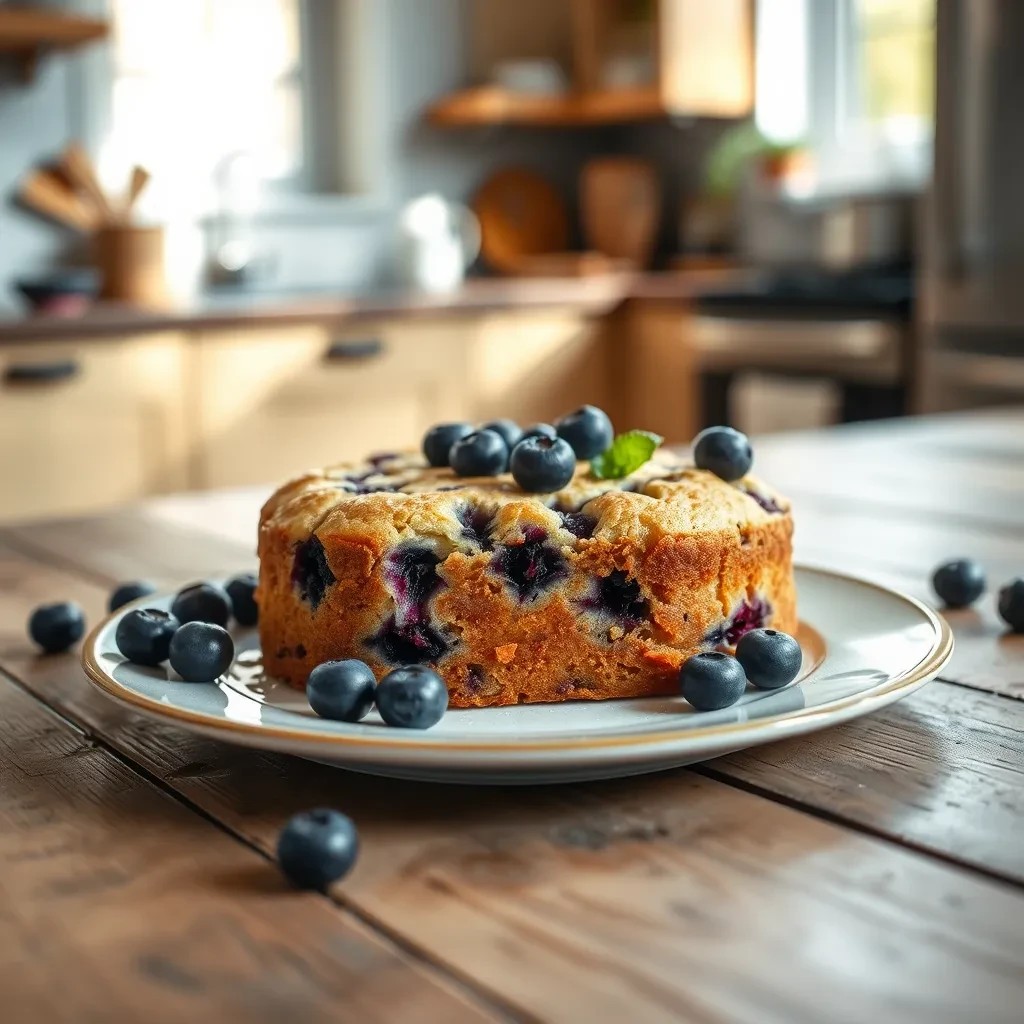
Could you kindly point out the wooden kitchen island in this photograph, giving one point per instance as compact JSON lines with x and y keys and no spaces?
{"x":871,"y":872}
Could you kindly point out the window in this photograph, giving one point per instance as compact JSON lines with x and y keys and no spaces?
{"x":854,"y":80}
{"x":199,"y":83}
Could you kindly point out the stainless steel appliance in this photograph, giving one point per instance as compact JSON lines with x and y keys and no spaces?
{"x":971,"y":284}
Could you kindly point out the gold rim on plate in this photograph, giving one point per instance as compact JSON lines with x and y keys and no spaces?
{"x":907,"y":680}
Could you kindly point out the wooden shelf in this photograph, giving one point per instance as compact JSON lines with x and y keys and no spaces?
{"x":28,"y":32}
{"x":488,"y":105}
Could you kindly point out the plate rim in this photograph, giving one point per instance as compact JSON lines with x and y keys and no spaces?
{"x":904,"y":682}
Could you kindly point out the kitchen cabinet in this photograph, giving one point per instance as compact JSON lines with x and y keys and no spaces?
{"x":272,"y":402}
{"x":89,"y":424}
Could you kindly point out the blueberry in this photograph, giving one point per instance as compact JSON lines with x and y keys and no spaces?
{"x":723,"y":451}
{"x":542,"y":465}
{"x":311,"y":573}
{"x":588,"y":430}
{"x":712,"y":681}
{"x":1011,"y":605}
{"x":959,"y":583}
{"x":129,"y":592}
{"x":539,"y":430}
{"x":438,"y":441}
{"x":412,"y":697}
{"x":55,"y":627}
{"x":201,"y":651}
{"x":341,"y":690}
{"x":144,"y":635}
{"x":530,"y":568}
{"x":482,"y":453}
{"x":769,"y":658}
{"x":316,"y":848}
{"x":509,"y":431}
{"x":242,"y":592}
{"x":202,"y":602}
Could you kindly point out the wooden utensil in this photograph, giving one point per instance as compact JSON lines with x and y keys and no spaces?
{"x":620,"y":207}
{"x":521,"y":214}
{"x":44,"y":192}
{"x":139,"y":180}
{"x":78,"y":167}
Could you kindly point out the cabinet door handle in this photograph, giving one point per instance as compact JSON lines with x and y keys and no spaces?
{"x":349,"y":351}
{"x":42,"y":373}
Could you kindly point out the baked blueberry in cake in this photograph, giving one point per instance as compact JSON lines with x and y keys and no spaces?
{"x":599,"y":589}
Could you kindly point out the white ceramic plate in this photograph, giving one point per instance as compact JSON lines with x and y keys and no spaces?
{"x":864,"y":647}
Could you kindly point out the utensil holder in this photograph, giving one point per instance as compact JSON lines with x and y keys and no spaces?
{"x":131,"y":262}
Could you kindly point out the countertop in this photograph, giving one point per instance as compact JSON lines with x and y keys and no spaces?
{"x":597,"y":294}
{"x":869,"y":872}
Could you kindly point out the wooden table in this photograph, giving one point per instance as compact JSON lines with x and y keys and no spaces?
{"x":872,"y":872}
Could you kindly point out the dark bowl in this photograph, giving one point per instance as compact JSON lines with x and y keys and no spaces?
{"x":61,"y":293}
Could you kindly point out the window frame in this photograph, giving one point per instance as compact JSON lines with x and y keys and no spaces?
{"x":331,"y":185}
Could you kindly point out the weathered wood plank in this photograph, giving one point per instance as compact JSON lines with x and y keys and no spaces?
{"x":652,"y":899}
{"x":119,"y":903}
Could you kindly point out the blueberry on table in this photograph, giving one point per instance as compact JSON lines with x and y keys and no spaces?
{"x":712,"y":681}
{"x":55,"y":627}
{"x":588,"y":430}
{"x":1011,"y":605}
{"x":316,"y":848}
{"x":770,"y":658}
{"x":341,"y":690}
{"x":509,"y":431}
{"x":241,"y":591}
{"x":959,"y":583}
{"x":202,"y":602}
{"x":482,"y":453}
{"x":542,"y":465}
{"x":144,"y":635}
{"x":539,"y":430}
{"x":438,"y":441}
{"x":724,"y":452}
{"x":412,"y":697}
{"x":200,"y":652}
{"x":127,"y":592}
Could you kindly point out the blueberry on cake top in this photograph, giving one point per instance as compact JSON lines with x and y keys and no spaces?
{"x":599,"y":589}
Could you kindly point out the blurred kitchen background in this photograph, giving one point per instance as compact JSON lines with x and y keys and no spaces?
{"x":242,"y":237}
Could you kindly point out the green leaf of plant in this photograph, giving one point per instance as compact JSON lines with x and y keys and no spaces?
{"x":628,"y":452}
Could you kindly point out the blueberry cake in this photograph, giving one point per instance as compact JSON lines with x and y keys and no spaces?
{"x":598,"y":590}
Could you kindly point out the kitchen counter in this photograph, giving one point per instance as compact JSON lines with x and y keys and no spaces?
{"x":597,"y":295}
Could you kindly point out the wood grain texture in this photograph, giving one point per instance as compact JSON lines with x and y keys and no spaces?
{"x":118,"y":903}
{"x":658,"y":896}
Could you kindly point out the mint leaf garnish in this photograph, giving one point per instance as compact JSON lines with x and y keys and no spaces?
{"x":628,"y":452}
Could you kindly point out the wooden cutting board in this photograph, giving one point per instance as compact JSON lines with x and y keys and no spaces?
{"x":521,"y":216}
{"x":620,"y":207}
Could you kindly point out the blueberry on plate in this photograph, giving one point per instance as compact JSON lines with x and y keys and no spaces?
{"x":144,"y":635}
{"x":129,"y":592}
{"x":542,"y":465}
{"x":200,"y":652}
{"x":959,"y":583}
{"x":509,"y":431}
{"x":540,"y":430}
{"x":316,"y":848}
{"x":482,"y":453}
{"x":202,"y":602}
{"x":712,"y":681}
{"x":412,"y":697}
{"x":438,"y":441}
{"x":55,"y":627}
{"x":341,"y":690}
{"x":588,"y":430}
{"x":1011,"y":605}
{"x":241,"y":591}
{"x":723,"y":451}
{"x":770,"y":658}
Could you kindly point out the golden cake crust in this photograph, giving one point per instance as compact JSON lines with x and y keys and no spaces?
{"x":600,"y":590}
